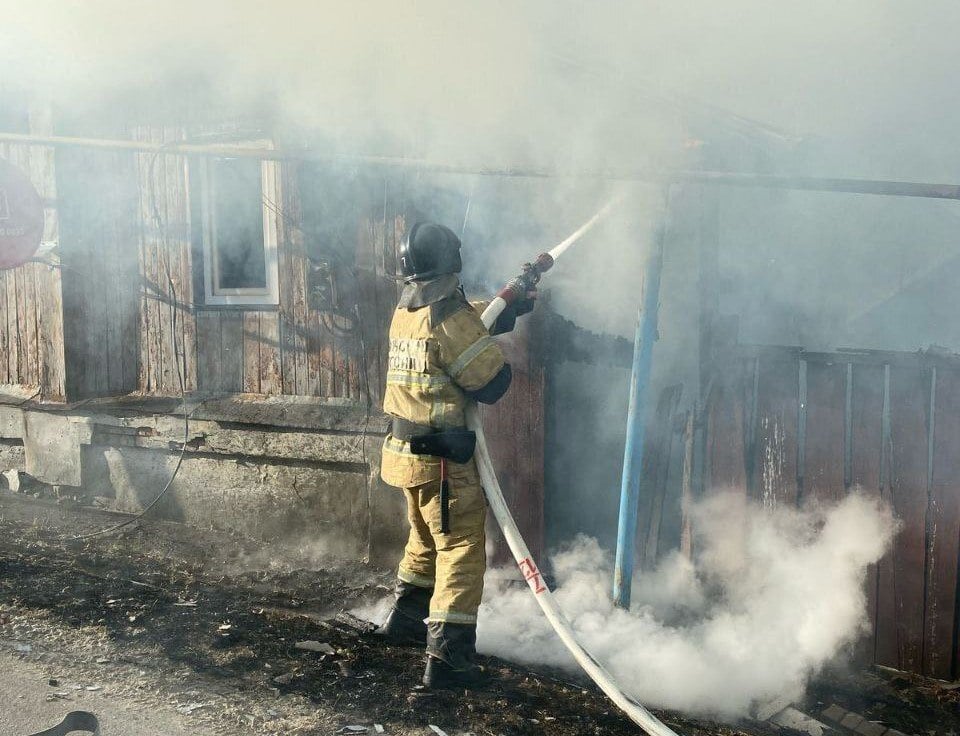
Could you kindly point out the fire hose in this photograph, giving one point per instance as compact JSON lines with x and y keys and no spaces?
{"x":517,"y":289}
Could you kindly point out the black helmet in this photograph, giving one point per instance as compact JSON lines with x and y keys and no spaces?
{"x":429,"y":250}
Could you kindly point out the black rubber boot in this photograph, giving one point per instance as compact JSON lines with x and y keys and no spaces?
{"x":404,"y":626}
{"x":451,"y":649}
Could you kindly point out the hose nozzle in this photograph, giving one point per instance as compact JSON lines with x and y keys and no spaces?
{"x":518,"y":287}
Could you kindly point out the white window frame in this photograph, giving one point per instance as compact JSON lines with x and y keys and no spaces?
{"x":270,"y":190}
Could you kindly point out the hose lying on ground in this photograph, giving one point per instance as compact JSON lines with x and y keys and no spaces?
{"x":528,"y":567}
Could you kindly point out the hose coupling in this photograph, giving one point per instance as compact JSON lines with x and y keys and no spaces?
{"x":519,"y":286}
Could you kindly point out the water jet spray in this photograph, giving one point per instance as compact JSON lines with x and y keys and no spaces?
{"x":517,"y":289}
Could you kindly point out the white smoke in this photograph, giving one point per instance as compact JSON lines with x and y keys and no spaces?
{"x":771,"y":596}
{"x":547,"y":80}
{"x":867,"y":87}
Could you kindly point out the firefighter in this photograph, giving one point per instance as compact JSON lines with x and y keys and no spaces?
{"x":441,"y":357}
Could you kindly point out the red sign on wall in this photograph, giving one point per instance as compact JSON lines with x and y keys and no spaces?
{"x":21,"y":217}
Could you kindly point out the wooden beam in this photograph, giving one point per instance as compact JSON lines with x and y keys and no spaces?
{"x":664,"y":176}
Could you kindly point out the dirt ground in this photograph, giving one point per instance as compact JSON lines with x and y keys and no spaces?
{"x":198,"y":630}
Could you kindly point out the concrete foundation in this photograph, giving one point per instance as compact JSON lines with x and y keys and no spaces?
{"x":294,"y":471}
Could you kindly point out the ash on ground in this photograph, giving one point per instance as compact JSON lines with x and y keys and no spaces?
{"x":204,"y":627}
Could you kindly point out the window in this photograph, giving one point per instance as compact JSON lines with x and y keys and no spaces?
{"x":239,"y":198}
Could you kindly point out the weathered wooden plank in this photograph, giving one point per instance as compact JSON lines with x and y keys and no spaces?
{"x":288,"y":309}
{"x":726,"y":431}
{"x":341,"y":366}
{"x":515,"y":430}
{"x":168,"y":278}
{"x":147,"y":256}
{"x":4,"y":335}
{"x":50,"y":331}
{"x":126,"y":282}
{"x":775,"y":446}
{"x":288,"y":351}
{"x":943,"y":532}
{"x":13,"y":333}
{"x":271,"y":380}
{"x":109,"y":294}
{"x":902,"y":576}
{"x":187,"y":282}
{"x":121,"y":283}
{"x":157,"y":327}
{"x":99,"y":305}
{"x":654,"y":478}
{"x":47,"y":282}
{"x":303,"y":326}
{"x":251,"y":352}
{"x":26,"y":328}
{"x":156,"y":219}
{"x":686,"y":486}
{"x":292,"y":241}
{"x":70,"y":254}
{"x":177,"y":254}
{"x":231,"y":351}
{"x":23,"y":357}
{"x":375,"y":316}
{"x":208,"y":350}
{"x":312,"y":349}
{"x":143,"y":367}
{"x":865,"y":458}
{"x":328,"y":377}
{"x":166,"y":258}
{"x":356,"y":365}
{"x":372,"y":307}
{"x":9,"y":303}
{"x":30,"y":324}
{"x":824,"y":456}
{"x":14,"y":155}
{"x":147,"y":366}
{"x":385,"y":239}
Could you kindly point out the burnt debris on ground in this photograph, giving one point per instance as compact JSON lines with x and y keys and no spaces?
{"x":184,"y":598}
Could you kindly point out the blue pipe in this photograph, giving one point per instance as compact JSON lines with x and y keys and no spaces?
{"x":636,"y":423}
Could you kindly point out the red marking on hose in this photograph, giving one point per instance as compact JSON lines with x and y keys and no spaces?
{"x":532,"y":575}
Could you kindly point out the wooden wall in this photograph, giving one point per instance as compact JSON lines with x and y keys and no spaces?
{"x":131,"y":268}
{"x":133,"y":288}
{"x":293,"y":349}
{"x":31,"y":311}
{"x":101,"y":276}
{"x":515,"y":430}
{"x":790,"y":426}
{"x":167,"y":323}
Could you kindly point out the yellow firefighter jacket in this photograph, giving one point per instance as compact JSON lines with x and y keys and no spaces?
{"x":437,"y":352}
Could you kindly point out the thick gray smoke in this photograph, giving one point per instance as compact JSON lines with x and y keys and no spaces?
{"x":561,"y":80}
{"x":771,"y":596}
{"x":819,"y":88}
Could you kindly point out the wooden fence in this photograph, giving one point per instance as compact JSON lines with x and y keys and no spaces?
{"x":789,"y":426}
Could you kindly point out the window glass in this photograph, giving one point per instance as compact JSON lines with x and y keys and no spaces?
{"x":238,"y":224}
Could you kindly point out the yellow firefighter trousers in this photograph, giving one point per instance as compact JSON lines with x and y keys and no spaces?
{"x":452,"y":564}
